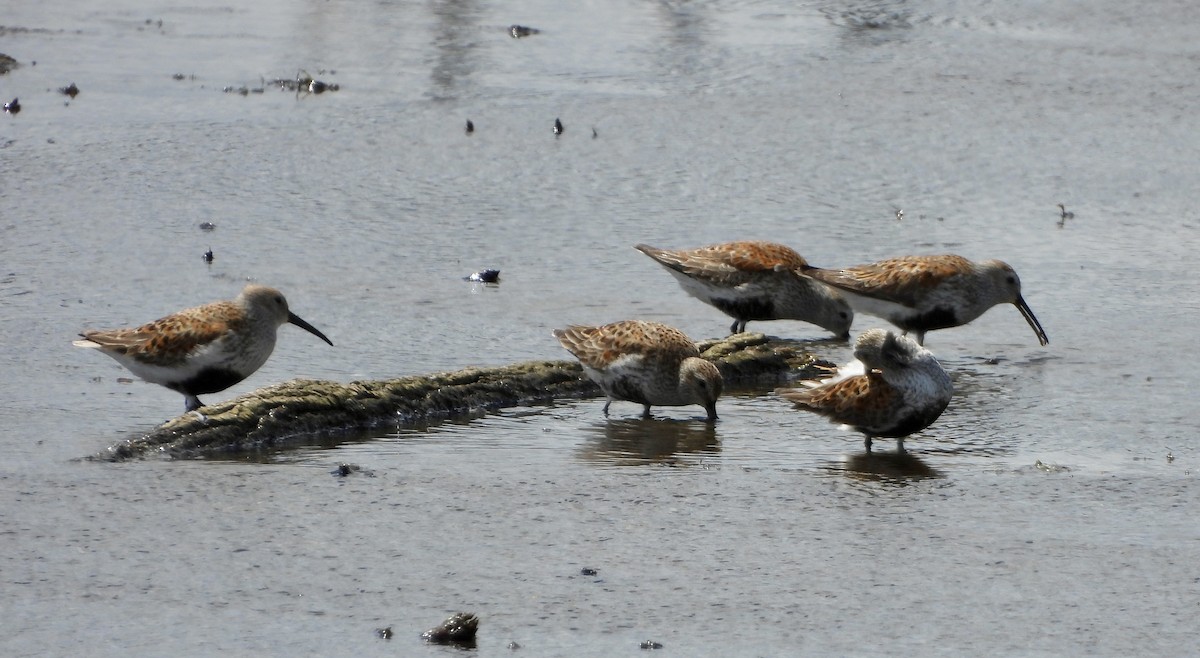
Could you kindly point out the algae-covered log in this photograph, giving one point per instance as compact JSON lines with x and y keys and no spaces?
{"x":297,"y":411}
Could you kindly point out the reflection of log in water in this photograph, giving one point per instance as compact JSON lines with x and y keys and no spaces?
{"x":296,"y":412}
{"x":888,"y":465}
{"x":649,"y":441}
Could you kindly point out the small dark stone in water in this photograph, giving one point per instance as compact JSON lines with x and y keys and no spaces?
{"x":558,"y":127}
{"x":588,"y":571}
{"x":7,"y":63}
{"x":458,"y":628}
{"x":650,"y":644}
{"x":305,"y":82}
{"x":513,"y":646}
{"x":344,"y":470}
{"x":518,"y":31}
{"x":207,"y":226}
{"x":470,"y":127}
{"x":208,"y":255}
{"x":385,"y":633}
{"x":485,"y":276}
{"x":70,"y":90}
{"x":13,"y":106}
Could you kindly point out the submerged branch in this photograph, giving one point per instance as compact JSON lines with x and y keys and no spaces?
{"x":293,"y":413}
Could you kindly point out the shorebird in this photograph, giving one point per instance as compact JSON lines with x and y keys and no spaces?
{"x":755,"y":281}
{"x":644,"y":362}
{"x":205,"y":349}
{"x":923,"y":293}
{"x":894,"y":388}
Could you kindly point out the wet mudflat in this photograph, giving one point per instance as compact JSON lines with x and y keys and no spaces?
{"x":1050,"y":510}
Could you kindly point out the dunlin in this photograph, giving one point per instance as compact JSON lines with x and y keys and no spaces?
{"x":755,"y":281}
{"x":204,"y":349}
{"x":923,"y":293}
{"x":644,"y":362}
{"x":894,"y":389}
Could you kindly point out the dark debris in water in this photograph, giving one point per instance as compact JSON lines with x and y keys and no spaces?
{"x":208,"y":255}
{"x":650,"y":644}
{"x":1050,"y":468}
{"x":459,"y":629}
{"x":485,"y":276}
{"x":70,"y":90}
{"x":305,"y":83}
{"x":246,"y":91}
{"x":519,"y":31}
{"x":207,"y":226}
{"x":345,"y":469}
{"x":588,"y":571}
{"x":302,"y":84}
{"x":384,"y":633}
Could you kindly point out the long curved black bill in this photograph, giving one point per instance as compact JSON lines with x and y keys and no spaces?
{"x":296,"y":320}
{"x":1033,"y":321}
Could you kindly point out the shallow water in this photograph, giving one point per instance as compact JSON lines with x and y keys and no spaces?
{"x":1056,"y":514}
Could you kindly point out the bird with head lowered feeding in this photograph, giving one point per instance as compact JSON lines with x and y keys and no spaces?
{"x":923,"y":293}
{"x":644,"y":362}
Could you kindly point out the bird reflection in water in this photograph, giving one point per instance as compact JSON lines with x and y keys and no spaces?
{"x":638,"y":441}
{"x":887,"y":465}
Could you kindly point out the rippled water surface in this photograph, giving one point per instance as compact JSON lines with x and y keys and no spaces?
{"x":1051,"y":510}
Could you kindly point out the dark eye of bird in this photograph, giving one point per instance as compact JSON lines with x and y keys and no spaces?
{"x":1012,"y":280}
